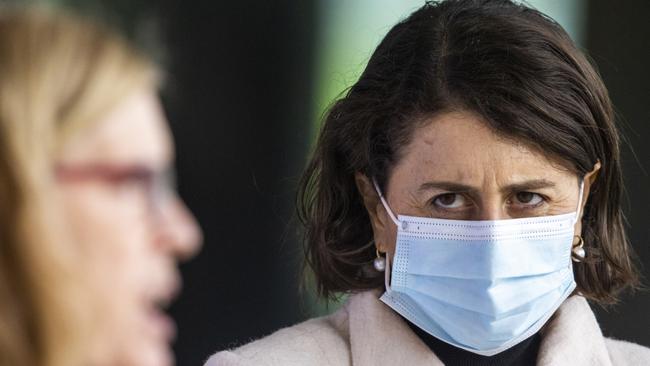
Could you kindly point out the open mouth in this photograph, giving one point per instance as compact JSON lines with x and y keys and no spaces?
{"x":161,"y":323}
{"x":158,"y":301}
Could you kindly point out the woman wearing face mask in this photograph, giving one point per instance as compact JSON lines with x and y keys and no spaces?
{"x":466,"y":194}
{"x":90,"y":227}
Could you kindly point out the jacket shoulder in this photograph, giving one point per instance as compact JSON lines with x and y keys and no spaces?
{"x":319,"y":341}
{"x":627,"y":353}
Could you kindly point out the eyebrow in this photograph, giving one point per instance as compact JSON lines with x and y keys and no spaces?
{"x":515,"y":187}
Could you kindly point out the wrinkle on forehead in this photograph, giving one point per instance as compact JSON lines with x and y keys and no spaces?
{"x":460,"y":147}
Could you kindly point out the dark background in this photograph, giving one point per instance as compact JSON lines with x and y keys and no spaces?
{"x":240,"y":96}
{"x":618,"y":39}
{"x":242,"y":105}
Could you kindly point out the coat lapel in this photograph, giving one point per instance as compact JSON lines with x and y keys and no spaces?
{"x":573,"y":337}
{"x":378,"y":336}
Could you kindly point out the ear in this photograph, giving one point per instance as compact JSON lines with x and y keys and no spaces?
{"x":376,"y":211}
{"x":589,"y":179}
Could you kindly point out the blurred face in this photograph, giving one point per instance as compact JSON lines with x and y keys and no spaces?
{"x":131,"y":227}
{"x":455,"y":167}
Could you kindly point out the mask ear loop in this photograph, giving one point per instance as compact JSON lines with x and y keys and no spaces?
{"x":389,"y":268}
{"x":387,"y":273}
{"x":577,"y":251}
{"x":579,"y":208}
{"x":383,"y":202}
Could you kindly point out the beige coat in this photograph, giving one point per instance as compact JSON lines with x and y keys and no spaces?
{"x":365,"y":332}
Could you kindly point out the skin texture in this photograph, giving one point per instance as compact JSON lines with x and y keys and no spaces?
{"x":130,"y":249}
{"x":455,"y":167}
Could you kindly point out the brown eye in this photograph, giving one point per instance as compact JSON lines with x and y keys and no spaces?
{"x":449,"y":200}
{"x":528,"y":198}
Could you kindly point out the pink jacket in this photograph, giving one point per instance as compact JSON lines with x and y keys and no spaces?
{"x":365,"y":332}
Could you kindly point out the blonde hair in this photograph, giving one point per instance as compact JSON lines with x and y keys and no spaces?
{"x":58,"y":74}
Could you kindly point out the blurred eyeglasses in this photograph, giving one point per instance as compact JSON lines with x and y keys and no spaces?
{"x":157,"y":185}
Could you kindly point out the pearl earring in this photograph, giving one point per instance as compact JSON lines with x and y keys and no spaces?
{"x":379,"y":262}
{"x":578,"y":252}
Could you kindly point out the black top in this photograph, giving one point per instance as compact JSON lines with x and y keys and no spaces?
{"x":522,"y":354}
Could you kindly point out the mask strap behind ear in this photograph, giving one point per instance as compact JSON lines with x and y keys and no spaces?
{"x":383,"y":202}
{"x":387,"y":273}
{"x":579,"y":208}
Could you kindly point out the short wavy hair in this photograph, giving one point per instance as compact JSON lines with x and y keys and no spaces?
{"x":509,"y":64}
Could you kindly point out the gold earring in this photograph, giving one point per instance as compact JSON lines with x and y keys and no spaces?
{"x":578,"y":252}
{"x":379,"y":262}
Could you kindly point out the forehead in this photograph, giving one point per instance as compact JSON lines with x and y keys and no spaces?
{"x":460,"y":147}
{"x":134,"y":131}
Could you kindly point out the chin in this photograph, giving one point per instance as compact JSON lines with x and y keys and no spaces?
{"x":151,"y":355}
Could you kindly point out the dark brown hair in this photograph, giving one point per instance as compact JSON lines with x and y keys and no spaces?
{"x":509,"y":64}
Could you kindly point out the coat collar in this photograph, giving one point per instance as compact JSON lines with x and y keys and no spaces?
{"x":379,"y":336}
{"x":573,"y":335}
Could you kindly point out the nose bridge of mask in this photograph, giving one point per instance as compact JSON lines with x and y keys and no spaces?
{"x":397,"y":221}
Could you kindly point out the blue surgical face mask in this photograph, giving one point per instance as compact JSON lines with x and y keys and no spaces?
{"x":483,"y":286}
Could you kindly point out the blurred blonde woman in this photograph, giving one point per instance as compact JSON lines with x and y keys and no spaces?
{"x":90,"y":228}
